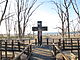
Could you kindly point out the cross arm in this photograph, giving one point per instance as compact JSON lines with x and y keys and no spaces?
{"x":44,"y":28}
{"x":34,"y":28}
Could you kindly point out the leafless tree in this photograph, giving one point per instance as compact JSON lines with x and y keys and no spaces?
{"x":25,"y":11}
{"x":62,"y":14}
{"x":4,"y":11}
{"x":76,"y":9}
{"x":66,"y":6}
{"x":18,"y":12}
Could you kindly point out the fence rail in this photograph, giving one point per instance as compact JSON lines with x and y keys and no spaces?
{"x":8,"y":48}
{"x":56,"y":50}
{"x":28,"y":51}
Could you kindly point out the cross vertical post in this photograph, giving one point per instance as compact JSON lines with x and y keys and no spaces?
{"x":39,"y":32}
{"x":39,"y":29}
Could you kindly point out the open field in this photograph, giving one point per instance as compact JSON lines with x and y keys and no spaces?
{"x":59,"y":36}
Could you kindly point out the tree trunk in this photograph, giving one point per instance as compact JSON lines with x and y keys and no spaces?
{"x":18,"y":21}
{"x":23,"y":31}
{"x":63,"y":30}
{"x":68,"y":22}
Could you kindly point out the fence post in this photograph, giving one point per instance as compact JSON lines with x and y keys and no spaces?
{"x":30,"y":48}
{"x":78,"y":51}
{"x":29,"y":41}
{"x":0,"y":50}
{"x":12,"y":48}
{"x":63,"y":44}
{"x":47,"y":41}
{"x":59,"y":42}
{"x":24,"y":44}
{"x":71,"y":45}
{"x":19,"y":45}
{"x":35,"y":41}
{"x":6,"y":49}
{"x":53,"y":40}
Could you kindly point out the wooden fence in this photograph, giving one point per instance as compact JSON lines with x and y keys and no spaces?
{"x":8,"y":48}
{"x":72,"y":45}
{"x":12,"y":46}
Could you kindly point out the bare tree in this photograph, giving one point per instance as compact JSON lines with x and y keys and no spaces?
{"x":63,"y":12}
{"x":25,"y":11}
{"x":29,"y":14}
{"x":3,"y":13}
{"x":19,"y":10}
{"x":66,"y":6}
{"x":61,"y":15}
{"x":76,"y":9}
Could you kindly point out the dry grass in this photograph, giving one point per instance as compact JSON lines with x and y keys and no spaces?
{"x":65,"y":36}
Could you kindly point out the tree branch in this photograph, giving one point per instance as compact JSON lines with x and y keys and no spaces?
{"x":33,"y":11}
{"x":2,"y":2}
{"x":77,"y":11}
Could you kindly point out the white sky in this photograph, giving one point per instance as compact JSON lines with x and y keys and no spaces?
{"x":48,"y":19}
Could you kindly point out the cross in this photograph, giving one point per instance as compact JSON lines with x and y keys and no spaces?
{"x":39,"y":29}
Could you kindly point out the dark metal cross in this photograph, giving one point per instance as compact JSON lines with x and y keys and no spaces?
{"x":39,"y":29}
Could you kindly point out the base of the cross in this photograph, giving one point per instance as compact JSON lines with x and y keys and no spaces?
{"x":39,"y":43}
